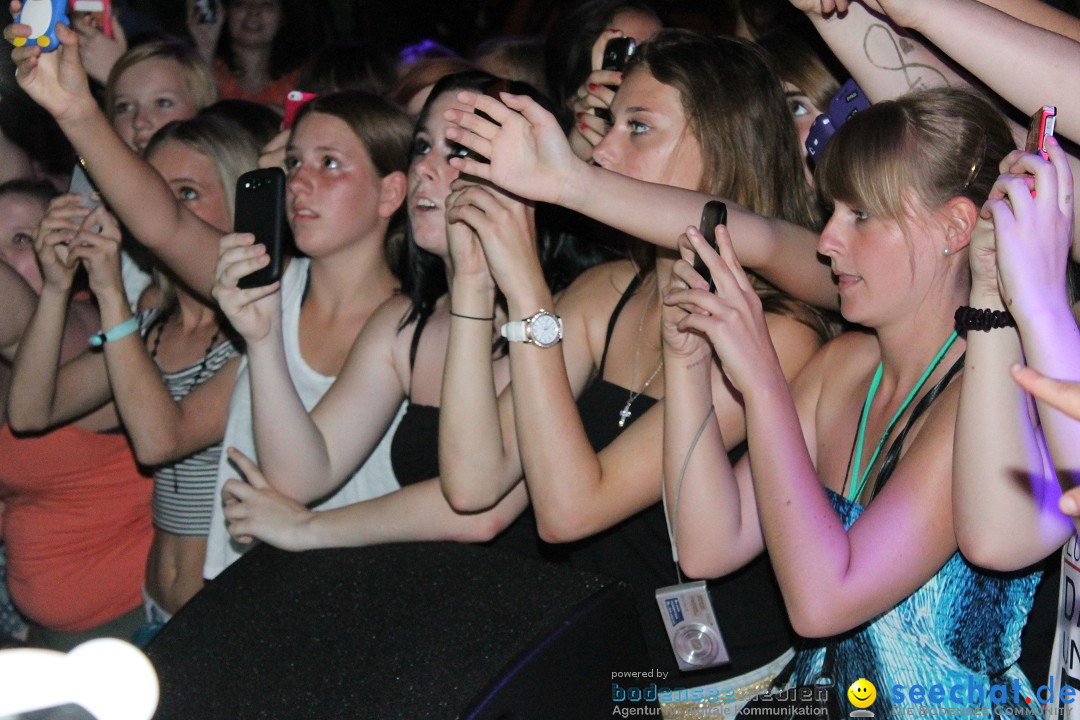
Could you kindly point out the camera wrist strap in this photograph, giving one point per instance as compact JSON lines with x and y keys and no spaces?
{"x":672,"y":519}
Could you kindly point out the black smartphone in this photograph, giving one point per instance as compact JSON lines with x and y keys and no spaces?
{"x":714,"y":213}
{"x":260,"y":210}
{"x":617,"y":52}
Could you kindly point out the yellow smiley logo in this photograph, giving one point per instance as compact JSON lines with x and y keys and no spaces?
{"x":862,"y":693}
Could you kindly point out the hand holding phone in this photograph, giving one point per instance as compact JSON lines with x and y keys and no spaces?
{"x":617,"y":53}
{"x":714,"y":213}
{"x":260,"y":210}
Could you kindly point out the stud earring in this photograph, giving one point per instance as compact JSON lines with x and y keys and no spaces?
{"x":946,"y":253}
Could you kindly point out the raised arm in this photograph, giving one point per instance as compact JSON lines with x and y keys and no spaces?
{"x":161,"y":429}
{"x":831,"y":578}
{"x":134,"y":190}
{"x":43,"y":394}
{"x":887,"y":62}
{"x":710,"y":509}
{"x":576,"y":491}
{"x":308,"y":456}
{"x":884,"y":59}
{"x":974,"y":35}
{"x":1040,"y":14}
{"x":478,"y":451}
{"x":531,"y":158}
{"x":415,"y":513}
{"x":996,"y":437}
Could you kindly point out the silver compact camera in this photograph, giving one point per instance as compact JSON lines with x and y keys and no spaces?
{"x":691,"y":626}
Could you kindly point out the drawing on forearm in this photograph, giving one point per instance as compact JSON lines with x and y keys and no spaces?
{"x":888,"y":53}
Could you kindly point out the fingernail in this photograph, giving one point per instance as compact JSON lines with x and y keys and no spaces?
{"x":580,"y":115}
{"x":582,"y":126}
{"x":1014,"y":368}
{"x":1067,"y":505}
{"x":593,"y":86}
{"x":621,"y":76}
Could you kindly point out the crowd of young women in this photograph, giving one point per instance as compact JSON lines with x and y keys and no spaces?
{"x":444,"y":361}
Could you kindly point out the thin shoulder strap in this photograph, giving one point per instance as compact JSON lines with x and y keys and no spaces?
{"x":892,"y":457}
{"x":421,"y":321}
{"x":627,"y":294}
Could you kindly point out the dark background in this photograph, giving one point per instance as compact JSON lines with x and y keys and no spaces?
{"x":460,"y":24}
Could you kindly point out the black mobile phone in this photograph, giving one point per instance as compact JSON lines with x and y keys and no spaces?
{"x":617,"y":52}
{"x":260,"y":209}
{"x":714,"y":213}
{"x":1040,"y":129}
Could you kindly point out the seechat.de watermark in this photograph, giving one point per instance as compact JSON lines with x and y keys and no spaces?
{"x":966,"y":698}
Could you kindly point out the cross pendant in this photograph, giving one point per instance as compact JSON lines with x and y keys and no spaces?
{"x":623,"y":415}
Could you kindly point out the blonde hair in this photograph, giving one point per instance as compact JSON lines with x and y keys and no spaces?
{"x":929,"y":146}
{"x":231,"y":148}
{"x":197,"y":75}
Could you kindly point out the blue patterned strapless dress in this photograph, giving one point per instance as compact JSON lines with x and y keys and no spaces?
{"x":959,"y":630}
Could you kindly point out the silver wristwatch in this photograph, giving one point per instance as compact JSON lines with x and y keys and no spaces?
{"x":544,"y":329}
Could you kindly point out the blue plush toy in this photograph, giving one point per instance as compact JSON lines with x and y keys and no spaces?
{"x":42,"y":16}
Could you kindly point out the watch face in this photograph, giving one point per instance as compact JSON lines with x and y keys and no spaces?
{"x":544,"y":329}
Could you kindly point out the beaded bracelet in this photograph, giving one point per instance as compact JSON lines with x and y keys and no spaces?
{"x":984,"y":319}
{"x":115,"y":333}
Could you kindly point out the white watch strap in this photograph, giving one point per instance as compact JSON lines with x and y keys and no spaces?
{"x":514,"y":331}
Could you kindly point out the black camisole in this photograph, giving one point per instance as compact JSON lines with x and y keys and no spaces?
{"x":414,"y":456}
{"x":414,"y":449}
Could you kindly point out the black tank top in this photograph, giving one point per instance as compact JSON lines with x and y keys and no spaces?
{"x":748,"y":604}
{"x":414,"y":456}
{"x":414,"y":449}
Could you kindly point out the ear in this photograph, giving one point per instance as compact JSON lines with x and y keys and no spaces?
{"x":960,"y":216}
{"x":392,"y":190}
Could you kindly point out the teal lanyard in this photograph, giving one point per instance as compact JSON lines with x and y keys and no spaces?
{"x":858,"y":482}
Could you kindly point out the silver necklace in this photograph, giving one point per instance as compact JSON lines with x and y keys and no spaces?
{"x":625,"y":413}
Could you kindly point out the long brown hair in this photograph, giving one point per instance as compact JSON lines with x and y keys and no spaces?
{"x":736,"y":108}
